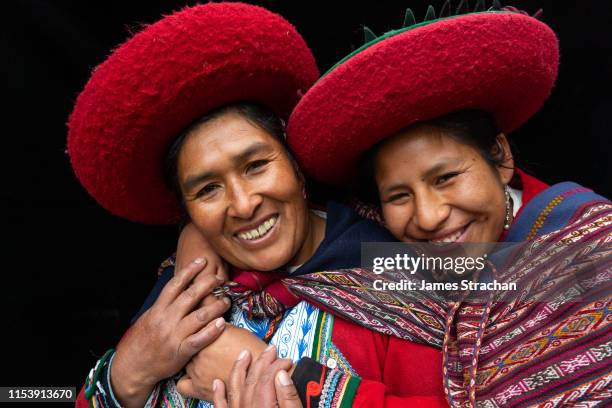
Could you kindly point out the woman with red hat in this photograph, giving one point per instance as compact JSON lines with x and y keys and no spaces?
{"x":425,"y":111}
{"x":204,"y":89}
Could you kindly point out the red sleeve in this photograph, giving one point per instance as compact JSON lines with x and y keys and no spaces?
{"x":392,"y":372}
{"x":412,"y":376}
{"x":80,"y":401}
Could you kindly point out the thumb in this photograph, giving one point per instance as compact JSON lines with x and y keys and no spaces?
{"x":286,"y":393}
{"x":219,"y":398}
{"x":185,"y":387}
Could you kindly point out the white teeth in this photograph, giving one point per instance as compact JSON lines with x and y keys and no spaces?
{"x":449,"y":238}
{"x":259,"y":231}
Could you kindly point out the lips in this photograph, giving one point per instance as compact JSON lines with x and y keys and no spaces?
{"x":258,"y":231}
{"x":450,"y":237}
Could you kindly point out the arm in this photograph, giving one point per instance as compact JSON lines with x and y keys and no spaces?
{"x":163,"y":339}
{"x":216,"y":361}
{"x":191,"y":245}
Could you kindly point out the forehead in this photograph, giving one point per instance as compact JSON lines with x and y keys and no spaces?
{"x":221,"y":139}
{"x":419,"y":143}
{"x":419,"y":148}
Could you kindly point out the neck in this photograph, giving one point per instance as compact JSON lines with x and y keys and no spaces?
{"x":314,"y":236}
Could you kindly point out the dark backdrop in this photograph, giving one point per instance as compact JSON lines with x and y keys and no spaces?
{"x":73,"y":275}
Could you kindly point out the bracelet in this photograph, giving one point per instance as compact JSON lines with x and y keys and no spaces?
{"x":94,"y":374}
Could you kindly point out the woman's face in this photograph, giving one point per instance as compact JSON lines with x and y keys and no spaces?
{"x":243,"y":193}
{"x":435,"y":188}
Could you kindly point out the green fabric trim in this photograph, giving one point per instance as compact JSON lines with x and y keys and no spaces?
{"x":90,"y":389}
{"x":317,"y":337}
{"x":393,"y":33}
{"x":349,"y":394}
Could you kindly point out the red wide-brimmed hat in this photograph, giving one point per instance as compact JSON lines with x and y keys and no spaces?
{"x":500,"y":61}
{"x":162,"y":79}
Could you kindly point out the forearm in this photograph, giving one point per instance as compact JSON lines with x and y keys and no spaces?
{"x":129,"y":390}
{"x":191,"y":245}
{"x":102,"y":388}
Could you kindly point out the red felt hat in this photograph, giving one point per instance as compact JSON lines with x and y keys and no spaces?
{"x":162,"y":79}
{"x":502,"y":62}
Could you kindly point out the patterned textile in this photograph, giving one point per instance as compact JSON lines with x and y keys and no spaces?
{"x":305,"y":331}
{"x":349,"y":293}
{"x":550,"y":345}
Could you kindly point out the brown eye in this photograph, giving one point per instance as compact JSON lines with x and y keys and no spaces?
{"x":257,"y":164}
{"x":445,"y":178}
{"x":398,"y":197}
{"x":207,"y":190}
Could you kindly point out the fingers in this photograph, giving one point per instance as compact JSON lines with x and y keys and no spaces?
{"x":264,"y":390}
{"x":219,"y":399}
{"x":286,"y":393}
{"x":199,"y":318}
{"x":237,"y":378}
{"x":196,"y":342}
{"x":189,"y":298}
{"x":257,"y":377}
{"x":186,"y":387}
{"x":181,"y":280}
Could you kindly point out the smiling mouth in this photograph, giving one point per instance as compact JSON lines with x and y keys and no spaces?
{"x":450,"y":238}
{"x":260,"y":231}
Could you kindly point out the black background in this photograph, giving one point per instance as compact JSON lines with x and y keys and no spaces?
{"x":72,"y":275}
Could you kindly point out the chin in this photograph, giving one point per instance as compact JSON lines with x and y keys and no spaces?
{"x":270,"y":263}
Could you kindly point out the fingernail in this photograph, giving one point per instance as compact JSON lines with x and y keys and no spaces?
{"x":220,"y":277}
{"x":198,"y":261}
{"x":269,"y":348}
{"x":227,"y":301}
{"x":220,"y":323}
{"x":215,"y":384}
{"x":243,"y":354}
{"x":283,"y":378}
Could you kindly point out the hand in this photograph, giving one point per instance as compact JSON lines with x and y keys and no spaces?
{"x":167,"y":335}
{"x":266,"y":384}
{"x":216,"y":361}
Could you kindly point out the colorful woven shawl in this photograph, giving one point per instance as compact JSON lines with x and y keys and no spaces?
{"x":550,"y":344}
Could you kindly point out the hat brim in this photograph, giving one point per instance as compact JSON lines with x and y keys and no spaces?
{"x":165,"y":77}
{"x":501,"y":62}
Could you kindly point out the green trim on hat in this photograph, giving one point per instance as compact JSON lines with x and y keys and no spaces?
{"x":393,"y":33}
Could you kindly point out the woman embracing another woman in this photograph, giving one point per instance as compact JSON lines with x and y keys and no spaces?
{"x":201,"y":95}
{"x":420,"y":119}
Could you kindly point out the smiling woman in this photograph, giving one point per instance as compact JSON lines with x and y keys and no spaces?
{"x":243,"y":191}
{"x":244,"y":199}
{"x":435,"y":133}
{"x":444,"y":180}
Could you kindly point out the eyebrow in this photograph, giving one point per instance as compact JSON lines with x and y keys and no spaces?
{"x":245,"y":155}
{"x":428,"y":173}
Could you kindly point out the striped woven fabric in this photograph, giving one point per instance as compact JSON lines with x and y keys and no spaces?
{"x":548,"y":344}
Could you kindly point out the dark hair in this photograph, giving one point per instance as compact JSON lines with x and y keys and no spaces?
{"x":476,"y":128}
{"x":255,"y":114}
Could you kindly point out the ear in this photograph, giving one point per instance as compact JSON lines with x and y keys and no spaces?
{"x":506,"y":166}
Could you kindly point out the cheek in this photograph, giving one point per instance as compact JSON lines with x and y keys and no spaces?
{"x":479,"y":192}
{"x":282,"y":184}
{"x":396,"y":219}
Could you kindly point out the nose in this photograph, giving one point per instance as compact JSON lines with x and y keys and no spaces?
{"x":430,"y":211}
{"x":243,"y":199}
